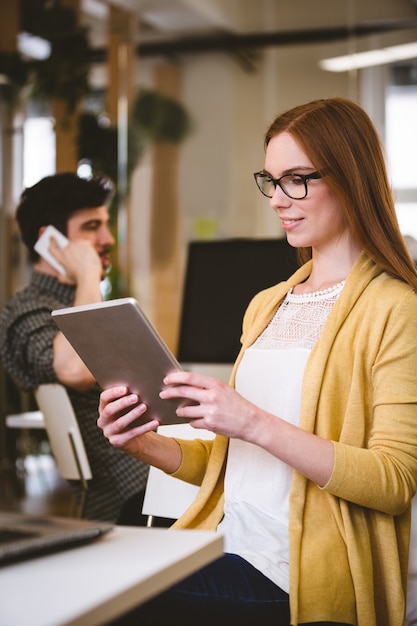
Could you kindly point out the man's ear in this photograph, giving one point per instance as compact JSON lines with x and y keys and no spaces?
{"x":41,"y":230}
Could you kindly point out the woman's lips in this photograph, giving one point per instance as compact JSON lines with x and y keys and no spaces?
{"x":289,"y":224}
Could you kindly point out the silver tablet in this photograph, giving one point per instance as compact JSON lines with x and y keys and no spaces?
{"x":120,"y":346}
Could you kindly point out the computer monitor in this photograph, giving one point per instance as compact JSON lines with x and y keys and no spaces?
{"x":221,"y":278}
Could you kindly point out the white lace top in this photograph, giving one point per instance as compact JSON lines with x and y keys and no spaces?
{"x":257,"y":484}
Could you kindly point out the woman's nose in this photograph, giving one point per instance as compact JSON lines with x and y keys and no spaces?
{"x":280,"y":199}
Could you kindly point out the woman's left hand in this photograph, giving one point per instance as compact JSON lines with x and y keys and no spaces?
{"x":219,"y":408}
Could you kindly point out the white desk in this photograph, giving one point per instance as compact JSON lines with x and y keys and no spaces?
{"x":29,"y":419}
{"x":90,"y":585}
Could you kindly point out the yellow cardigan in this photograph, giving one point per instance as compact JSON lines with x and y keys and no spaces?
{"x":348,"y":540}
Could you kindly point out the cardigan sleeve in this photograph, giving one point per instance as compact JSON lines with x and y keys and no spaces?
{"x":380,"y":472}
{"x":195,"y":457}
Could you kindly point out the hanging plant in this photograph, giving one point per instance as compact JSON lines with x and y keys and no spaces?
{"x":16,"y":73}
{"x":159,"y":118}
{"x":65,"y":73}
{"x":14,"y":68}
{"x":45,"y":18}
{"x":154,"y":118}
{"x":97,"y":143}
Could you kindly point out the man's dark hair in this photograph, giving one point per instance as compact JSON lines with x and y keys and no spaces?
{"x":54,"y":199}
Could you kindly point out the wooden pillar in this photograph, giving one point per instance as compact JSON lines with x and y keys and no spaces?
{"x":165,"y":222}
{"x":121,"y":84}
{"x":9,"y":25}
{"x":11,"y":164}
{"x":11,"y":252}
{"x":66,"y":131}
{"x":66,"y":124}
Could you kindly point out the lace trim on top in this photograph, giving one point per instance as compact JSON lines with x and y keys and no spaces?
{"x":299,"y":320}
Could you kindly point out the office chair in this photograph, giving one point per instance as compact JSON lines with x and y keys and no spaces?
{"x":411,"y":619}
{"x":65,"y":438}
{"x":166,"y":496}
{"x":24,"y":422}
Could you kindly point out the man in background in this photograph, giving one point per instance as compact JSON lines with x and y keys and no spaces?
{"x":35,"y":352}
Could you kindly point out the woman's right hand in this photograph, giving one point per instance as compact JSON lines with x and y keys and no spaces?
{"x":118,"y":409}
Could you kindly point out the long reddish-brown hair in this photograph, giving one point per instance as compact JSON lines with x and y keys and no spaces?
{"x":341,"y":141}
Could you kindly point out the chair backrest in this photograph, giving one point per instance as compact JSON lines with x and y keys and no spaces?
{"x":63,"y":432}
{"x":166,"y":496}
{"x":411,"y":618}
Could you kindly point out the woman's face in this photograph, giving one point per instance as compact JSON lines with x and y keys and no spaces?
{"x":317,"y":220}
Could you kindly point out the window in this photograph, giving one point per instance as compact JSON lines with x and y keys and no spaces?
{"x":401,"y":143}
{"x":38,"y":149}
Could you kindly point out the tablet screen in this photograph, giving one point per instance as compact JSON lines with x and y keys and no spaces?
{"x":120,"y":346}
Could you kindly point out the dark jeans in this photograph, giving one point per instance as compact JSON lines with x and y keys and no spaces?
{"x":228,"y":591}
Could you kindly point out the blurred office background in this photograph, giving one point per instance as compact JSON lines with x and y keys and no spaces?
{"x":173,"y":98}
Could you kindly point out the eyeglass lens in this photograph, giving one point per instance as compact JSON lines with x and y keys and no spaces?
{"x":291,"y":184}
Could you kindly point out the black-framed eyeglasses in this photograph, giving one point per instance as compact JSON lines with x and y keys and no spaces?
{"x":293,"y":185}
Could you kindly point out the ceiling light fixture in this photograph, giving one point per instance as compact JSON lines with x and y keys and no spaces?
{"x":358,"y":60}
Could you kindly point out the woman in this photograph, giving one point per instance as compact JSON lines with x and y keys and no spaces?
{"x":311,"y":474}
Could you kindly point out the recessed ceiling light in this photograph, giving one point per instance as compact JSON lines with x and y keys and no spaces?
{"x":380,"y":56}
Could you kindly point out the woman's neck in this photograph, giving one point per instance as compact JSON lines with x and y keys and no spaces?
{"x":328,"y":271}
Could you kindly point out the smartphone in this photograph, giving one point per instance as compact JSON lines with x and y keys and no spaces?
{"x":42,"y":246}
